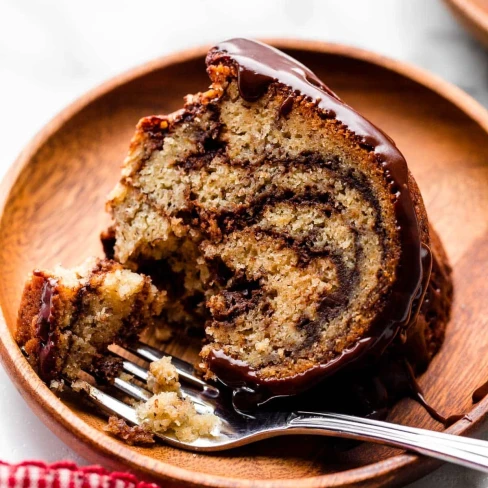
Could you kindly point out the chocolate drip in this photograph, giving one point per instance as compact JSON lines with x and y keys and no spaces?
{"x":480,"y":392}
{"x":259,"y":66}
{"x":45,"y":332}
{"x":368,"y":392}
{"x":416,"y":393}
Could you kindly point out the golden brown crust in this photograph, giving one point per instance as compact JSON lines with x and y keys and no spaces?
{"x":420,"y":210}
{"x":25,"y":331}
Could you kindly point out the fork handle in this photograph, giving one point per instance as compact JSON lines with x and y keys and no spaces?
{"x":471,"y":453}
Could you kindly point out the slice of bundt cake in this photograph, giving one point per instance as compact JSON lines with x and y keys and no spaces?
{"x":67,"y":318}
{"x":283,"y":218}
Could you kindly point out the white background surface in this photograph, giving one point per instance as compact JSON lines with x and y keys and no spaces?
{"x":53,"y":51}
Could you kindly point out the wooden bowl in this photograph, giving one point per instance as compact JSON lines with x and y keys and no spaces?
{"x":473,"y":15}
{"x":52,"y":210}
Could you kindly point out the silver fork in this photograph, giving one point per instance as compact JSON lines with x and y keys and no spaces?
{"x":238,"y":430}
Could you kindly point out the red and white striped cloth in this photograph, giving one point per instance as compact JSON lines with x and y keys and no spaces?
{"x":64,"y":474}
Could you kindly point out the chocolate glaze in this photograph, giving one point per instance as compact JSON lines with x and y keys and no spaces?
{"x":286,"y":106}
{"x":480,"y":392}
{"x":370,"y":392}
{"x":45,"y":332}
{"x":259,"y":66}
{"x":416,"y":393}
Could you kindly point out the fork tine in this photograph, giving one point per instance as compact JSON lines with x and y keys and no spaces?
{"x":134,"y":369}
{"x":185,"y":370}
{"x":132,"y":389}
{"x":152,"y":354}
{"x":110,"y":404}
{"x":143,"y":395}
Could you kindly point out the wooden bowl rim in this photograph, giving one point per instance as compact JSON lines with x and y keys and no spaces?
{"x":472,"y":12}
{"x":66,"y":423}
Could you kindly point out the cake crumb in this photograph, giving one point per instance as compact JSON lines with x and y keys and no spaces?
{"x":167,"y":411}
{"x":163,"y":376}
{"x":133,"y":435}
{"x":162,"y":332}
{"x":80,"y":385}
{"x":57,"y":385}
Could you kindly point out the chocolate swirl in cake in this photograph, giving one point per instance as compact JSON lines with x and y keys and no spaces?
{"x":258,"y":67}
{"x":288,"y":220}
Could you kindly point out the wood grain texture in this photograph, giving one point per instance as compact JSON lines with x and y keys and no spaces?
{"x":52,"y":210}
{"x":473,"y":15}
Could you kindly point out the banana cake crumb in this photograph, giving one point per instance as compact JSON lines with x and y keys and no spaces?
{"x":163,"y":376}
{"x":168,"y":411}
